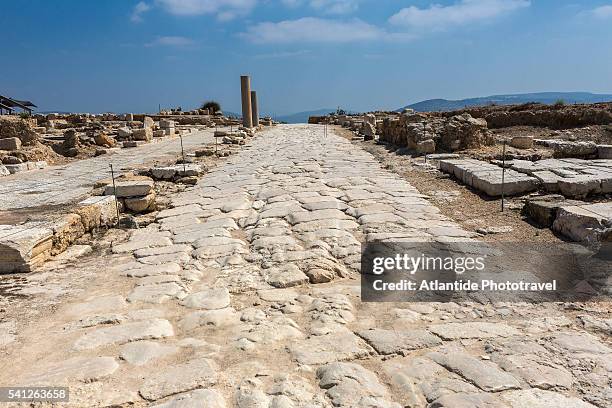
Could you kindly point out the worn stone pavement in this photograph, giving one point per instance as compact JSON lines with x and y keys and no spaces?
{"x":246,"y":294}
{"x":67,"y":183}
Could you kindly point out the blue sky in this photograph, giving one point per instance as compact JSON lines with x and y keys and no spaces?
{"x":130,"y":56}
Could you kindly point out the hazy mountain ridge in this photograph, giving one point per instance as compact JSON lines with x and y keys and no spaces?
{"x":510,"y":99}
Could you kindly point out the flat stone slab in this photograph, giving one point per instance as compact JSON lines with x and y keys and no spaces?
{"x":133,"y":245}
{"x":130,"y":188}
{"x":125,"y":333}
{"x":472,"y":330}
{"x":214,"y":298}
{"x":485,"y":375}
{"x":141,"y":352}
{"x":584,"y":223}
{"x":398,"y":342}
{"x":328,"y":348}
{"x":535,"y":398}
{"x":198,"y":373}
{"x":210,"y":318}
{"x":157,"y":293}
{"x":197,"y":399}
{"x":351,"y":385}
{"x":138,"y":270}
{"x":84,"y":369}
{"x":100,"y":304}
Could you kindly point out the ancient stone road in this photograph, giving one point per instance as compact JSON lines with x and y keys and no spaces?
{"x":246,"y":294}
{"x":67,"y":183}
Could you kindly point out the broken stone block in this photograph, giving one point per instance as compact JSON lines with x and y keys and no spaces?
{"x":543,"y":210}
{"x":159,"y":133}
{"x":97,"y":211}
{"x":579,"y":186}
{"x":124,"y":132}
{"x":16,"y":168}
{"x":65,"y":231}
{"x":143,"y":134}
{"x":522,"y":142}
{"x":426,"y":146}
{"x":548,"y":179}
{"x":102,"y":139}
{"x":148,"y":123}
{"x":130,"y":188}
{"x":4,"y":171}
{"x":140,"y":204}
{"x":24,"y":247}
{"x":585,"y":223}
{"x":10,"y":143}
{"x":11,"y":160}
{"x":574,"y":149}
{"x":166,"y":124}
{"x":196,"y":373}
{"x":133,"y":143}
{"x":604,"y":151}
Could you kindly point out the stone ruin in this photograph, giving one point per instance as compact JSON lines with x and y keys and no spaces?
{"x":429,"y":134}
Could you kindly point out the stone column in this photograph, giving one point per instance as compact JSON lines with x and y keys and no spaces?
{"x":245,"y":87}
{"x":254,"y":108}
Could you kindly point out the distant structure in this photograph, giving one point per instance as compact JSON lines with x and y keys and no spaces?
{"x":9,"y":104}
{"x":254,"y":108}
{"x":250,"y":109}
{"x":247,"y":113}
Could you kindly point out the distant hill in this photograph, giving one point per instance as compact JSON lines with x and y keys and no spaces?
{"x":302,"y":117}
{"x":541,"y":97}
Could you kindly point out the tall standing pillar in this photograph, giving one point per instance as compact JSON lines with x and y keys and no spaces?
{"x":254,"y":108}
{"x":245,"y":87}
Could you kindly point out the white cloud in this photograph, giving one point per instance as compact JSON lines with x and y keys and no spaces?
{"x":335,"y":6}
{"x":223,"y":9}
{"x":310,"y":29}
{"x":170,"y":41}
{"x":438,"y":17}
{"x":602,"y":12}
{"x":326,"y":6}
{"x":139,"y":10}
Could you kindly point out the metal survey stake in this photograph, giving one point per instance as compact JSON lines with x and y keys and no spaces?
{"x":183,"y":154}
{"x":115,"y":192}
{"x":503,"y":175}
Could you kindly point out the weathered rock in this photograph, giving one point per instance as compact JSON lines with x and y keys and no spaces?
{"x":328,"y":348}
{"x":10,"y":143}
{"x":24,"y":247}
{"x":130,"y":188}
{"x":398,"y":342}
{"x":85,"y":369}
{"x":214,"y":298}
{"x":198,"y":373}
{"x":584,"y":223}
{"x":535,"y":398}
{"x":351,"y":385}
{"x":472,"y":330}
{"x":485,"y":375}
{"x":141,"y":204}
{"x":141,"y":352}
{"x":143,"y":134}
{"x":522,"y":142}
{"x":102,"y":139}
{"x":125,"y":333}
{"x":286,"y":276}
{"x":205,"y":398}
{"x":426,"y":146}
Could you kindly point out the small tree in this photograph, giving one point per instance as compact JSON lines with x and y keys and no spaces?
{"x":212,"y":106}
{"x":559,"y":103}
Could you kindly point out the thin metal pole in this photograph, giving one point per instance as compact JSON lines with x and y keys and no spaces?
{"x":183,"y":153}
{"x":503,"y":175}
{"x":115,"y":192}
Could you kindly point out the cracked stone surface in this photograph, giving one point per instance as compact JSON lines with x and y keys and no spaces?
{"x":245,"y":293}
